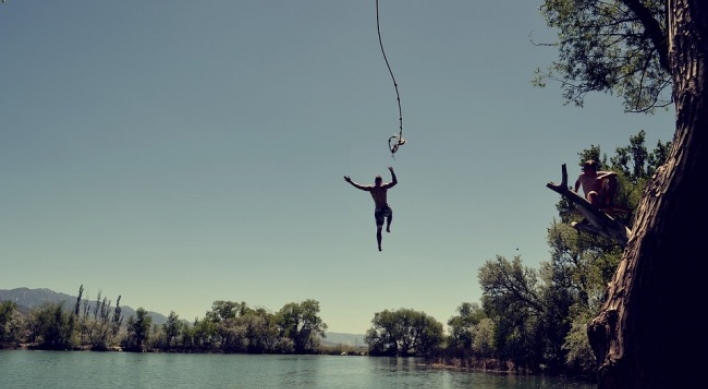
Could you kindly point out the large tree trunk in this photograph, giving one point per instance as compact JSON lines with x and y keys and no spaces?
{"x":651,"y":331}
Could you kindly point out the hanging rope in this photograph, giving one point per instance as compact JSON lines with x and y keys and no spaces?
{"x":395,"y":141}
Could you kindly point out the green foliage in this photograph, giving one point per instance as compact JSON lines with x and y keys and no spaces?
{"x":580,"y":358}
{"x":509,"y":286}
{"x":232,"y":327}
{"x":300,"y":323}
{"x":636,"y":163}
{"x":77,"y":306}
{"x":483,"y":344}
{"x":225,"y":310}
{"x":341,"y":349}
{"x":229,"y":327}
{"x":581,"y":264}
{"x":515,"y":300}
{"x":203,"y":335}
{"x":403,"y":332}
{"x":117,"y":317}
{"x":138,"y":331}
{"x":171,"y":332}
{"x":463,"y":326}
{"x":262,"y":331}
{"x":11,"y":325}
{"x":99,"y":332}
{"x":52,"y":328}
{"x":614,"y":46}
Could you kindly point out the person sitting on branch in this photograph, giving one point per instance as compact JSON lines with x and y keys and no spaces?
{"x":599,"y":186}
{"x":378,"y":193}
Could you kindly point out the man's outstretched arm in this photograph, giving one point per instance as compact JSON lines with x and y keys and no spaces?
{"x":607,"y":174}
{"x":354,"y":184}
{"x":394,"y":180}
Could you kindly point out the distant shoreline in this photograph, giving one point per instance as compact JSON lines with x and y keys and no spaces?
{"x":343,"y":350}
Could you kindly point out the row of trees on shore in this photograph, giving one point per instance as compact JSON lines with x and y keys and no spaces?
{"x":229,"y":327}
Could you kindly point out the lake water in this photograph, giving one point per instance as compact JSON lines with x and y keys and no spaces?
{"x":92,"y":370}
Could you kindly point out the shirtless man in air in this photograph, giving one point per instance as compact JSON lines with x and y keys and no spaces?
{"x":599,"y":186}
{"x":378,"y":193}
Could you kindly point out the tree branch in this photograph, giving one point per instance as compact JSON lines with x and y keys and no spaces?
{"x":653,"y":30}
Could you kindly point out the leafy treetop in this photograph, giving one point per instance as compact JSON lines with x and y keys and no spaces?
{"x":613,"y":46}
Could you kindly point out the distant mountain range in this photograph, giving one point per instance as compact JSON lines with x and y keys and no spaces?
{"x":27,"y":299}
{"x":335,"y":338}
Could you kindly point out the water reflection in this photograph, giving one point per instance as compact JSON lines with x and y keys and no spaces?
{"x":298,"y":372}
{"x":90,"y":370}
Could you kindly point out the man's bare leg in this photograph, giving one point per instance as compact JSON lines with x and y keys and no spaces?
{"x":378,"y":236}
{"x":609,"y":190}
{"x":388,"y":223}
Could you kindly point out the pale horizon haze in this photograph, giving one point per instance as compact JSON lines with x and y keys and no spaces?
{"x":177,"y":152}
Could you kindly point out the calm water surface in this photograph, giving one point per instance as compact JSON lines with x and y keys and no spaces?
{"x":89,"y":370}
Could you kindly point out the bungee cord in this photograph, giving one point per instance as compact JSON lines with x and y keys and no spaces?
{"x":395,"y":141}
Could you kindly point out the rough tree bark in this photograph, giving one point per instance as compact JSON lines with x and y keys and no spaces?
{"x":650,"y":332}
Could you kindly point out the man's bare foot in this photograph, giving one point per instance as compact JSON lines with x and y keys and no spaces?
{"x":380,"y":248}
{"x":388,"y":230}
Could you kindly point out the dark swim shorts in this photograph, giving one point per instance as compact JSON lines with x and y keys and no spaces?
{"x":382,"y":213}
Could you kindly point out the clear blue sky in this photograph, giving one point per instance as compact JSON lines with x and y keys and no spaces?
{"x":182,"y":152}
